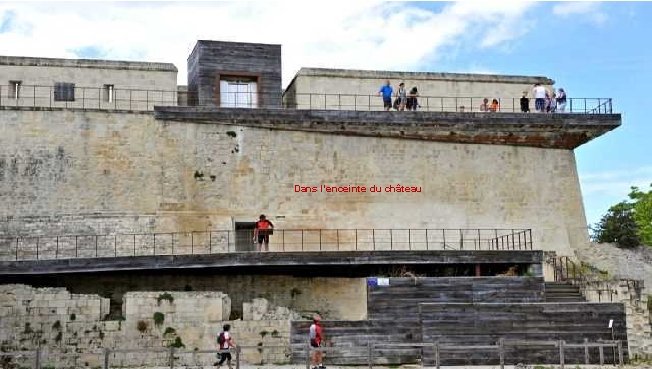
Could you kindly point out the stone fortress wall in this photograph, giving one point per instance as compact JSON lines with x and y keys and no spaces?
{"x":66,"y":172}
{"x":73,"y":329}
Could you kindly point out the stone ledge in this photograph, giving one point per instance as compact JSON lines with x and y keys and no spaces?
{"x":328,"y":263}
{"x":559,"y":131}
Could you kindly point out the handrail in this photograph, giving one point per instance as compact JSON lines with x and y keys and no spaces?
{"x":135,"y":99}
{"x":47,"y":247}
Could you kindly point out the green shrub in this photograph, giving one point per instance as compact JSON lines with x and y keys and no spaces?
{"x":159,"y":318}
{"x":164,"y":296}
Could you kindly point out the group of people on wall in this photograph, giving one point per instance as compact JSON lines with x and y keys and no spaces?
{"x":404,"y":100}
{"x":544,"y":100}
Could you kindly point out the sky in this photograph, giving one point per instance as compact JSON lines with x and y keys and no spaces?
{"x":591,"y":49}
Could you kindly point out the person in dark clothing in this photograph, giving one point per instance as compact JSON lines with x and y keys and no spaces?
{"x":525,"y":103}
{"x":412,"y":102}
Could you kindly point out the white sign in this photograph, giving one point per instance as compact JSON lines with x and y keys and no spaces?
{"x":383,"y":281}
{"x":611,"y":323}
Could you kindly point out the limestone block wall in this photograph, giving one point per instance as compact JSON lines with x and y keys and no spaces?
{"x":187,"y":176}
{"x":639,"y":330}
{"x":72,"y":331}
{"x":334,"y":298}
{"x":340,"y":86}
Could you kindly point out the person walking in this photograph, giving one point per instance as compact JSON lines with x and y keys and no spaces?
{"x":263,"y":229}
{"x":225,"y":343}
{"x":316,"y":339}
{"x":386,"y":92}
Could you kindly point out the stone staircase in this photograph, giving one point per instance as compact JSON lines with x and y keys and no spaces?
{"x":562,"y":292}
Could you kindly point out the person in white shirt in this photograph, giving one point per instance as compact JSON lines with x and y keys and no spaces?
{"x":539,"y":93}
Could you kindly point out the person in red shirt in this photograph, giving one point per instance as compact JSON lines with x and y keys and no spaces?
{"x":316,"y":338}
{"x":262,"y":231}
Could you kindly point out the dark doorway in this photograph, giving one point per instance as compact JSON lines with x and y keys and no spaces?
{"x":244,"y":236}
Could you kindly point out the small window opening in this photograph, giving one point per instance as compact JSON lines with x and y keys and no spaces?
{"x":64,"y":91}
{"x":14,"y":89}
{"x":108,"y":93}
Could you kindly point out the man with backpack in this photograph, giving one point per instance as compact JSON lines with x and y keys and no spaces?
{"x":225,"y":342}
{"x":316,"y":338}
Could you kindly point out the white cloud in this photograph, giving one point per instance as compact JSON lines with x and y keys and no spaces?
{"x":589,"y":10}
{"x":616,"y":183}
{"x":362,"y":35}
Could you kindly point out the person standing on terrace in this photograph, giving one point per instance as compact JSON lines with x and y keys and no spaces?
{"x":386,"y":92}
{"x":561,"y":100}
{"x":401,"y":94}
{"x":525,"y":103}
{"x":539,"y":93}
{"x":262,"y":231}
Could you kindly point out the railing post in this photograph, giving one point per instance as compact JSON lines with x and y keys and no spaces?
{"x":37,"y":359}
{"x":437,"y":363}
{"x":320,"y":236}
{"x":96,"y":245}
{"x":561,"y":354}
{"x":443,"y":233}
{"x":134,"y":244}
{"x":210,"y":241}
{"x":356,"y":239}
{"x":237,"y":357}
{"x":192,"y":242}
{"x":76,"y":252}
{"x":56,"y":251}
{"x":337,"y":236}
{"x":586,"y":351}
{"x":171,"y":357}
{"x":115,"y":245}
{"x":106,"y":358}
{"x":369,"y":358}
{"x":373,"y":238}
{"x":601,"y":350}
{"x":409,"y":239}
{"x":427,"y":248}
{"x":302,"y":240}
{"x":501,"y":352}
{"x":461,"y":240}
{"x":308,"y":348}
{"x":37,"y":241}
{"x":620,"y":353}
{"x":391,"y":240}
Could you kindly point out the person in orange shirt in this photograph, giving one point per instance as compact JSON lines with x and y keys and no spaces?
{"x":494,"y":106}
{"x":262,"y":231}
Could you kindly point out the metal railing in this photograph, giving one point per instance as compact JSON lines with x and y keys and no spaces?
{"x":590,"y":280}
{"x":282,"y":240}
{"x":104,"y":98}
{"x":175,"y":357}
{"x":468,"y":104}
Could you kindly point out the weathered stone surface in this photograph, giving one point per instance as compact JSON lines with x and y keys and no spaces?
{"x":200,"y":175}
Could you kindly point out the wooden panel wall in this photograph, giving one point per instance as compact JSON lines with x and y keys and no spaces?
{"x":212,"y":58}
